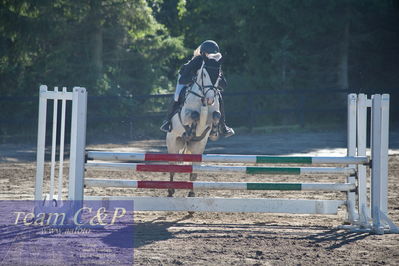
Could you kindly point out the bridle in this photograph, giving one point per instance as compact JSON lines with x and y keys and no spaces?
{"x":204,"y":88}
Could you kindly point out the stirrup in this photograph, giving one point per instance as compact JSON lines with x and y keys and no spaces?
{"x":227,"y":131}
{"x":166,"y":126}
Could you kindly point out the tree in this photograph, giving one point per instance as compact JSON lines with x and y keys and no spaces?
{"x":109,"y":46}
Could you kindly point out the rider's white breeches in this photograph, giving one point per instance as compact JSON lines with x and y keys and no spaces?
{"x":179,"y":87}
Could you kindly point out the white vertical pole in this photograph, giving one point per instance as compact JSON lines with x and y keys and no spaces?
{"x":371,"y":126}
{"x":376,"y":178}
{"x":384,"y":152}
{"x":351,"y":142}
{"x":370,"y":104}
{"x":78,"y":143}
{"x":62,"y":140}
{"x":41,"y":143}
{"x":53,"y":145}
{"x":361,"y":151}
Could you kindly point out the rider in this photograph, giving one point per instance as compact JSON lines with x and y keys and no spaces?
{"x":208,"y":51}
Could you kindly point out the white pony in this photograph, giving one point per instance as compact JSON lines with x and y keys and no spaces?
{"x":199,"y":116}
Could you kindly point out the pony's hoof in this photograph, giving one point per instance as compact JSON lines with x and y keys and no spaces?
{"x":214,"y":137}
{"x":171,"y":191}
{"x":195,"y":116}
{"x":216,"y":116}
{"x":193,"y":177}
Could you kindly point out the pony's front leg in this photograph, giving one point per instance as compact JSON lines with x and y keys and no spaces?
{"x":197,"y":147}
{"x":174,"y":144}
{"x":193,"y":177}
{"x":171,"y":191}
{"x":214,"y":135}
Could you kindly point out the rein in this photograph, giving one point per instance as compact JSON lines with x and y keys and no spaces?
{"x":203,"y":88}
{"x":187,"y":136}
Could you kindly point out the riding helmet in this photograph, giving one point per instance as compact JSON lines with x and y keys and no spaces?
{"x":210,"y":47}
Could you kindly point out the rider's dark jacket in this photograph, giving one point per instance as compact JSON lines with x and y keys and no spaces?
{"x":188,"y":71}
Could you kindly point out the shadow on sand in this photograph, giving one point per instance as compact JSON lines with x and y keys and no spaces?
{"x":146,"y":233}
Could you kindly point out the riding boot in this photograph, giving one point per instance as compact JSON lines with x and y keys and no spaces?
{"x":224,"y":130}
{"x":166,"y":124}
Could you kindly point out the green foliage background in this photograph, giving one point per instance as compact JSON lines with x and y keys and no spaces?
{"x":135,"y":47}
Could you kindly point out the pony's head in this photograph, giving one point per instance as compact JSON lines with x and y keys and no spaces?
{"x":208,"y":79}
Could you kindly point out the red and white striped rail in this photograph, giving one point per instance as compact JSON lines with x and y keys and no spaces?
{"x":223,"y":158}
{"x":168,"y":168}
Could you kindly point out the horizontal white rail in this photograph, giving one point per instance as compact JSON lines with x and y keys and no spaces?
{"x":95,"y":182}
{"x":222,"y":158}
{"x":294,"y":206}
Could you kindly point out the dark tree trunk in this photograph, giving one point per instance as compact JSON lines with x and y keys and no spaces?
{"x":96,"y":39}
{"x":343,"y":56}
{"x":97,"y":51}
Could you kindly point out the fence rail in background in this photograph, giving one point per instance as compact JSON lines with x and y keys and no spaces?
{"x":244,"y":109}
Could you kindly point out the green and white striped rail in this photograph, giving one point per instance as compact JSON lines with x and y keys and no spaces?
{"x":252,"y":170}
{"x":223,"y":158}
{"x":95,"y":182}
